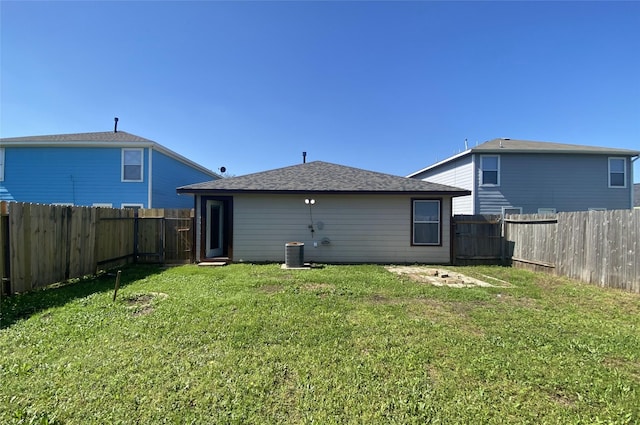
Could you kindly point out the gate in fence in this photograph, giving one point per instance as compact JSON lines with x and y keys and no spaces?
{"x":165,"y":236}
{"x":477,"y":239}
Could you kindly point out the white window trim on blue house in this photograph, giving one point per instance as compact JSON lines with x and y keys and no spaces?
{"x":496,"y":170}
{"x":124,"y":164}
{"x":624,"y":172}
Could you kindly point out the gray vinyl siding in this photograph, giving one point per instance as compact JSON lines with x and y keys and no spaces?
{"x":564,"y":182}
{"x":457,"y":173}
{"x":361,"y":229}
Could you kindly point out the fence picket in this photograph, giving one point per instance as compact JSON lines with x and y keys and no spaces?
{"x":45,"y":244}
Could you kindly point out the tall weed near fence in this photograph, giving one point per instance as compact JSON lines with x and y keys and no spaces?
{"x":598,"y":247}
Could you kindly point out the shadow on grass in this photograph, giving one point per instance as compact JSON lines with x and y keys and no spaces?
{"x":23,"y":306}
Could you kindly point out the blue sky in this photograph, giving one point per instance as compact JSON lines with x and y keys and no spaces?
{"x":386,"y":86}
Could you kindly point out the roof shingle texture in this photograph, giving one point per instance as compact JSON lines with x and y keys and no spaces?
{"x":102,"y":136}
{"x":510,"y":145}
{"x":319,"y":176}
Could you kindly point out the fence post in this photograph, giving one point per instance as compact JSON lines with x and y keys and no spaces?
{"x":135,"y":235}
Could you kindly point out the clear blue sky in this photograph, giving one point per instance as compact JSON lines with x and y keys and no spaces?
{"x":386,"y":86}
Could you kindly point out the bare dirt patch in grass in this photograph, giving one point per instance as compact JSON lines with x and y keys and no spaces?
{"x":443,"y":277}
{"x":142,"y":304}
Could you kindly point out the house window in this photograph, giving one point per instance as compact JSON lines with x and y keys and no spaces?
{"x":546,"y":210}
{"x":132,"y":206}
{"x":511,"y":210}
{"x":426,"y":222}
{"x":1,"y":164}
{"x":490,"y":166}
{"x":132,"y":165}
{"x":102,"y":205}
{"x":617,"y":172}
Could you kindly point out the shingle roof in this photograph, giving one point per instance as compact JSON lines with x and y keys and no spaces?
{"x":500,"y":146}
{"x":102,"y":136}
{"x":324,"y":177}
{"x":511,"y":145}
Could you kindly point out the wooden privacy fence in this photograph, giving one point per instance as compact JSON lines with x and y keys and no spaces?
{"x":598,"y":247}
{"x":477,"y":239}
{"x":165,"y":235}
{"x":45,"y":244}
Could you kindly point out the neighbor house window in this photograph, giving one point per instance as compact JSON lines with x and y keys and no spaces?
{"x":511,"y":210}
{"x":490,"y":166}
{"x":426,"y":222}
{"x":132,"y":165}
{"x":617,"y":172}
{"x":1,"y":164}
{"x":133,"y":206}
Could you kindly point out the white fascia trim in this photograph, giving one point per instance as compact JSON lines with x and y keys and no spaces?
{"x":437,"y":164}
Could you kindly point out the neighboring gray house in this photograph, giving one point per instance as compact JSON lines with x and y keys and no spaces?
{"x":519,"y":176}
{"x":356,"y":216}
{"x":636,"y":195}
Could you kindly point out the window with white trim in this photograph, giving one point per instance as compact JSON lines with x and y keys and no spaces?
{"x":1,"y":164}
{"x":617,"y":172}
{"x":132,"y":206}
{"x":490,"y":170}
{"x":546,"y":210}
{"x":102,"y":205}
{"x":426,"y":222}
{"x":132,"y":165}
{"x":511,"y":210}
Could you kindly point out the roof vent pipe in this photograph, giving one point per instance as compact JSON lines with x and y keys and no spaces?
{"x":304,"y":157}
{"x":115,"y":126}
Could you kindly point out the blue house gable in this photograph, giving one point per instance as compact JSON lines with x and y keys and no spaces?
{"x":115,"y":169}
{"x":518,"y":176}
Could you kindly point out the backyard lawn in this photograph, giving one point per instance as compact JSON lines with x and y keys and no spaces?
{"x":255,"y":344}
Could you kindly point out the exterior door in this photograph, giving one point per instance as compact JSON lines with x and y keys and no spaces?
{"x":215,"y":220}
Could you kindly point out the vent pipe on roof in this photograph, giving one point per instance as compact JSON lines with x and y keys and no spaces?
{"x":304,"y":157}
{"x":115,"y":126}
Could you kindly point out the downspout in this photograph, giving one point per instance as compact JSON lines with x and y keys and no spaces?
{"x":474,"y":184}
{"x":150,"y":183}
{"x":631,"y":185}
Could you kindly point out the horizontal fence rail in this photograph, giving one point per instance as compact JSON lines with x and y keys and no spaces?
{"x":45,"y":244}
{"x":598,"y":247}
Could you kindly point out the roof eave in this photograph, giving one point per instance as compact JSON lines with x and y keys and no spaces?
{"x":439,"y":163}
{"x":452,"y":193}
{"x":111,"y":144}
{"x":557,"y":151}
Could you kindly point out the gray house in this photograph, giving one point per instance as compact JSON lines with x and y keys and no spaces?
{"x":341,"y":214}
{"x":519,"y":176}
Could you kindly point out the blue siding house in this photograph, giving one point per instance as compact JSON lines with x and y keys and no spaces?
{"x":519,"y":176}
{"x":112,"y":169}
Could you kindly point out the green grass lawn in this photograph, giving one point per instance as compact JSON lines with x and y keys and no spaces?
{"x":256,"y":344}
